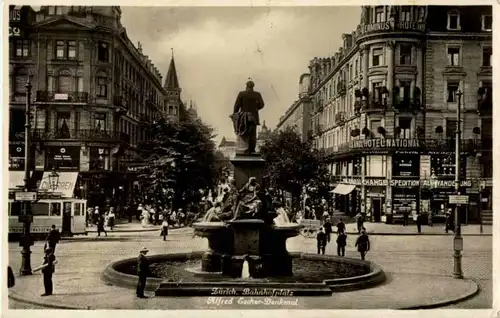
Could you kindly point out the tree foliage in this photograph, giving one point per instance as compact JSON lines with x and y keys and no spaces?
{"x":178,"y":155}
{"x":222,"y":165}
{"x":292,"y":163}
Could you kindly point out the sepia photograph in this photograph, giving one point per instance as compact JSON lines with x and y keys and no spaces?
{"x":248,"y":157}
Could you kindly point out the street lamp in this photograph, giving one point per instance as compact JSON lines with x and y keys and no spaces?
{"x":53,"y":179}
{"x":27,"y":218}
{"x":457,"y":240}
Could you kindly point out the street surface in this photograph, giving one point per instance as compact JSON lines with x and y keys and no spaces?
{"x":409,"y":257}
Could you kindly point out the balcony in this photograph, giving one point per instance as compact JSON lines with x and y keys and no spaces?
{"x":56,"y":97}
{"x":373,"y":106}
{"x":340,"y":118}
{"x":80,"y":134}
{"x":118,"y":101}
{"x":410,"y":105}
{"x":318,"y":130}
{"x":341,"y":88}
{"x":377,"y":28}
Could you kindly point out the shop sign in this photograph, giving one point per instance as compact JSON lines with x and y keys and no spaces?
{"x":407,"y":183}
{"x":14,"y":15}
{"x":390,"y":26}
{"x":64,"y":157}
{"x":384,"y":143}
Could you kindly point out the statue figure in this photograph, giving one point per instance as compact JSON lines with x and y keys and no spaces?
{"x":364,"y":15}
{"x":249,"y":205}
{"x":224,"y":210}
{"x":245,"y":116}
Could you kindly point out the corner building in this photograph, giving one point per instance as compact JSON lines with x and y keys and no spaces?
{"x":93,"y":93}
{"x":385,"y":107}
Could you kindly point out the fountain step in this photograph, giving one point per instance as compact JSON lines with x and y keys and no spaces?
{"x":246,"y":287}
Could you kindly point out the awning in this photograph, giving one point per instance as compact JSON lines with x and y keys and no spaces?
{"x":344,"y":189}
{"x":16,"y":179}
{"x":65,"y":187}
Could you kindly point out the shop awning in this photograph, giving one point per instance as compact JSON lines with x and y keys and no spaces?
{"x":65,"y":187}
{"x":344,"y":189}
{"x":16,"y":179}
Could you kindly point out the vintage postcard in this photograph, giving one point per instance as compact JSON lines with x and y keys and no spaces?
{"x":253,"y":157}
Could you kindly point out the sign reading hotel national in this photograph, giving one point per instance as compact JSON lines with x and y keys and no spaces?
{"x":384,"y":143}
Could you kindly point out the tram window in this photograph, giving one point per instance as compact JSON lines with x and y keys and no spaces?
{"x":16,"y":208}
{"x":55,"y":209}
{"x":40,"y":208}
{"x":67,"y":208}
{"x":77,"y":209}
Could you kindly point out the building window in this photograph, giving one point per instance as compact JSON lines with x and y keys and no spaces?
{"x":377,"y":56}
{"x":379,"y":14}
{"x":63,"y":124}
{"x":102,"y":86}
{"x":405,"y":54}
{"x":454,"y":56}
{"x":451,"y":128}
{"x":20,"y":80}
{"x":374,"y":124}
{"x":406,"y":13}
{"x":405,"y":126}
{"x":487,"y":22}
{"x":453,"y":21}
{"x":99,"y":158}
{"x":452,"y":87}
{"x":59,"y":10}
{"x":487,"y":52}
{"x":22,"y":48}
{"x":100,"y":121}
{"x":356,"y":68}
{"x":103,"y":52}
{"x":64,"y":83}
{"x":405,"y":91}
{"x":52,"y":10}
{"x":376,"y":89}
{"x":66,"y":50}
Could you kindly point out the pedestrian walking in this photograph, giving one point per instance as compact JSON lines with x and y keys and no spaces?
{"x":363,"y":244}
{"x":341,"y":243}
{"x":359,"y":222}
{"x":321,"y":241}
{"x":419,"y":223}
{"x":53,"y":238}
{"x":328,"y":229}
{"x":142,"y":272}
{"x":449,"y":222}
{"x":164,"y":229}
{"x":138,"y":214}
{"x":405,"y":218}
{"x":429,"y":219}
{"x":48,"y":269}
{"x":341,"y":227}
{"x":100,"y":226}
{"x":111,"y":218}
{"x":96,"y":215}
{"x":11,"y":280}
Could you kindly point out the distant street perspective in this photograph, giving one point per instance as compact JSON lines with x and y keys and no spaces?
{"x":358,"y":179}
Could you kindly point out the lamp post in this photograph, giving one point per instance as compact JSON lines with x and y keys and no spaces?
{"x":26,"y":218}
{"x":457,"y":240}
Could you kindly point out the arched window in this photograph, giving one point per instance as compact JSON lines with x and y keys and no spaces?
{"x":102,"y":84}
{"x":64,"y":80}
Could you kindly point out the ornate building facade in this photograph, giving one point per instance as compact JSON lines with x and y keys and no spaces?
{"x":93,"y":93}
{"x":385,"y":107}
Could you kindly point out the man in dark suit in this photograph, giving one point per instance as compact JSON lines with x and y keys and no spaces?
{"x":246,"y":115}
{"x":142,"y":272}
{"x":53,"y":238}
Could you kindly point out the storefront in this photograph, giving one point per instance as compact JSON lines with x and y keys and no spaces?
{"x":16,"y":157}
{"x":375,"y":202}
{"x":62,"y":158}
{"x":346,"y":198}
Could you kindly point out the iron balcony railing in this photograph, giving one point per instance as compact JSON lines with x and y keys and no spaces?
{"x":80,"y":134}
{"x":58,"y":97}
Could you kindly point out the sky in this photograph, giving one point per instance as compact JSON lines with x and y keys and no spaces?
{"x":217,"y":49}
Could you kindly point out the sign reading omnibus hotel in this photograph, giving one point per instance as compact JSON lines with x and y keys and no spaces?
{"x":388,"y":26}
{"x":407,"y":183}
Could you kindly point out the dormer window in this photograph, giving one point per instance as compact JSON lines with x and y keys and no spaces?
{"x":453,"y":21}
{"x":379,"y":14}
{"x":486,"y":22}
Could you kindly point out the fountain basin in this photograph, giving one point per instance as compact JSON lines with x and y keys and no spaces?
{"x":314,"y":275}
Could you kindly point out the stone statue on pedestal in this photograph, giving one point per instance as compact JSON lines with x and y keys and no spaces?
{"x":249,"y":205}
{"x":245,"y":118}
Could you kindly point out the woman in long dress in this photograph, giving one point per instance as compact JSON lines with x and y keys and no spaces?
{"x":145,"y":217}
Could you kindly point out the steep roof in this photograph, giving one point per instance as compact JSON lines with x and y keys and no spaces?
{"x":227,"y":143}
{"x":171,"y":80}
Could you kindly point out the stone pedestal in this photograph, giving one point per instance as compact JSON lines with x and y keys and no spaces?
{"x":246,"y":166}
